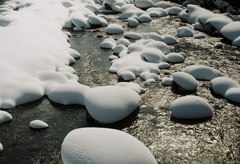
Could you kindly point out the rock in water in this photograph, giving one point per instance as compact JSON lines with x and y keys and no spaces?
{"x":5,"y":117}
{"x":109,"y":104}
{"x":191,"y":107}
{"x":38,"y":124}
{"x":104,"y":146}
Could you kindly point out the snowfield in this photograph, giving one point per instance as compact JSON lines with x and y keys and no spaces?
{"x":36,"y":58}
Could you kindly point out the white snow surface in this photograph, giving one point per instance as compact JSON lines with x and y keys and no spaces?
{"x":38,"y":124}
{"x":5,"y":117}
{"x":202,"y":72}
{"x":33,"y":47}
{"x":109,"y":104}
{"x":104,"y":146}
{"x":191,"y":107}
{"x":185,"y":81}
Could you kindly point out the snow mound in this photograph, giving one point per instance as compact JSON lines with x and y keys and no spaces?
{"x":231,"y":31}
{"x":191,"y":107}
{"x":167,"y":81}
{"x":108,"y":43}
{"x":184,"y":32}
{"x":220,"y":85}
{"x":132,"y":35}
{"x":132,"y":22}
{"x":185,"y":81}
{"x":202,"y":72}
{"x":67,"y":94}
{"x":157,"y":12}
{"x":164,"y":4}
{"x":144,"y":4}
{"x":174,"y":10}
{"x":110,"y":104}
{"x":134,"y":86}
{"x":123,"y":41}
{"x":5,"y":117}
{"x":38,"y":124}
{"x":233,"y":94}
{"x":83,"y":146}
{"x":114,"y":28}
{"x":1,"y":147}
{"x":175,"y":57}
{"x":169,"y":39}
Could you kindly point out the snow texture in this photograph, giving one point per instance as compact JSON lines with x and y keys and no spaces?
{"x":5,"y":117}
{"x":109,"y":104}
{"x":38,"y":124}
{"x":203,"y":72}
{"x":104,"y":146}
{"x":185,"y":81}
{"x":191,"y":107}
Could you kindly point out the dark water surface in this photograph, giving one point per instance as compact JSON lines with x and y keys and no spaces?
{"x":171,"y":141}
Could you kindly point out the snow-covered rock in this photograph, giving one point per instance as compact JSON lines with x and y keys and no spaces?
{"x":38,"y":124}
{"x":1,"y":147}
{"x":119,"y":48}
{"x":174,"y":10}
{"x":67,"y":94}
{"x":184,"y":32}
{"x":231,"y":31}
{"x":132,"y":22}
{"x":199,"y":36}
{"x":112,"y":57}
{"x":148,"y":75}
{"x":108,"y":43}
{"x":185,"y":81}
{"x":236,"y":42}
{"x":110,"y":104}
{"x":132,"y":35}
{"x":144,"y":18}
{"x":174,"y":57}
{"x":167,"y":81}
{"x":233,"y":94}
{"x":202,"y":72}
{"x":187,"y":2}
{"x":169,"y":39}
{"x":5,"y":117}
{"x":104,"y":146}
{"x":149,"y":81}
{"x":114,"y":28}
{"x":126,"y":75}
{"x":218,"y":21}
{"x":155,"y":36}
{"x":153,"y":55}
{"x":123,"y":41}
{"x":191,"y":107}
{"x":164,"y":4}
{"x":144,"y":3}
{"x":97,"y":21}
{"x":164,"y":65}
{"x":220,"y":85}
{"x":157,"y":12}
{"x":134,"y":86}
{"x":218,"y":45}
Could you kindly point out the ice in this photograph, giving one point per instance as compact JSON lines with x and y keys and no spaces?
{"x":134,"y":86}
{"x":191,"y":107}
{"x":38,"y":124}
{"x":67,"y":94}
{"x":202,"y":72}
{"x":132,"y":22}
{"x":114,"y":28}
{"x":221,"y":85}
{"x":167,"y":81}
{"x":184,"y":32}
{"x":104,"y":146}
{"x":132,"y":35}
{"x":174,"y":57}
{"x":144,"y":4}
{"x":108,"y":43}
{"x":109,"y":104}
{"x":5,"y":117}
{"x":185,"y":81}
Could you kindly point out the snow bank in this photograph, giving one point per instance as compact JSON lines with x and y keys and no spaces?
{"x":185,"y":81}
{"x":110,"y":104}
{"x":191,"y":107}
{"x":202,"y":72}
{"x":5,"y":117}
{"x":38,"y":124}
{"x":104,"y":146}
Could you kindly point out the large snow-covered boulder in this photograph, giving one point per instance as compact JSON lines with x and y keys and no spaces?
{"x":202,"y":72}
{"x":231,"y":31}
{"x":114,"y":28}
{"x":5,"y":117}
{"x":38,"y":124}
{"x":104,"y":146}
{"x":110,"y":104}
{"x":191,"y":107}
{"x":185,"y":81}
